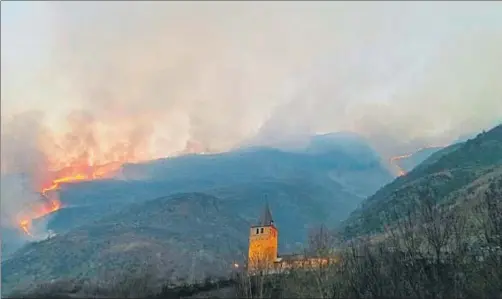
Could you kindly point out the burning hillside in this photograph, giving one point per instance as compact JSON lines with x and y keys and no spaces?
{"x":85,"y":150}
{"x":50,"y":202}
{"x":46,"y":207}
{"x":79,"y":150}
{"x":394,"y":161}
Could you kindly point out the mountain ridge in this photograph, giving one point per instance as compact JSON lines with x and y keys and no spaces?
{"x":303,"y":189}
{"x":447,"y":171}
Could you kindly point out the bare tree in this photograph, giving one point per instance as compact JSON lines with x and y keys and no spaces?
{"x":322,"y":260}
{"x":435,"y":224}
{"x":255,"y":280}
{"x":490,"y":220}
{"x":322,"y":241}
{"x":406,"y":257}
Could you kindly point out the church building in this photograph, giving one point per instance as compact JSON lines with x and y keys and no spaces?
{"x":263,"y":249}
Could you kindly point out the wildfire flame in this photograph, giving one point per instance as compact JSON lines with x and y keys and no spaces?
{"x":82,"y":155}
{"x":25,"y":226}
{"x":394,"y":160}
{"x":68,"y":174}
{"x":83,"y":146}
{"x":49,"y":206}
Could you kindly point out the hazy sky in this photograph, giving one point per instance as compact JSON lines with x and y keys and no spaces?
{"x":157,"y":74}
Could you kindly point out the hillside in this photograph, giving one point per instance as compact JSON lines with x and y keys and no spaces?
{"x":170,"y":231}
{"x":337,"y":165}
{"x":452,"y":172}
{"x":304,"y":188}
{"x":334,"y":171}
{"x":217,"y":220}
{"x":158,"y":233}
{"x":407,"y":164}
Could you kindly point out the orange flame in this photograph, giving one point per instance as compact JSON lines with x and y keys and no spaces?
{"x":42,"y":210}
{"x":394,"y":160}
{"x":85,"y":150}
{"x":84,"y":146}
{"x":25,"y":226}
{"x":69,"y":174}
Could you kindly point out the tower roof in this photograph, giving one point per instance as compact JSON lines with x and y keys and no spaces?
{"x":266,"y":218}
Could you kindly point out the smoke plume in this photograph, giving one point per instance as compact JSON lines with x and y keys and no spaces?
{"x":140,"y":80}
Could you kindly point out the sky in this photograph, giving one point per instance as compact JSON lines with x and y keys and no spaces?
{"x":156,"y":75}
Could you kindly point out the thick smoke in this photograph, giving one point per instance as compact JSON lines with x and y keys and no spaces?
{"x":23,"y":157}
{"x":162,"y":74}
{"x":149,"y":79}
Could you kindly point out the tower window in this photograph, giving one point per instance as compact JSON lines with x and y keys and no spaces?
{"x":257,"y":231}
{"x":261,"y":230}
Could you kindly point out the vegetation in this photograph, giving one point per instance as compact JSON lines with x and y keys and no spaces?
{"x":433,"y":252}
{"x":451,"y":172}
{"x":435,"y":233}
{"x":169,"y":230}
{"x":436,"y":251}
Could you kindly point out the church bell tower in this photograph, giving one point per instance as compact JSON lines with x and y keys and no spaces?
{"x":263,"y":242}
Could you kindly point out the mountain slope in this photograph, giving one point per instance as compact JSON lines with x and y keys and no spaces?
{"x":415,"y":159}
{"x":206,"y":202}
{"x":168,"y":233}
{"x":449,"y":171}
{"x":176,"y":228}
{"x":343,"y":164}
{"x":180,"y":225}
{"x":323,"y":154}
{"x":334,"y":168}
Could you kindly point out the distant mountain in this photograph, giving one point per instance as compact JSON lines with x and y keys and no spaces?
{"x":454,"y":172}
{"x":204,"y":202}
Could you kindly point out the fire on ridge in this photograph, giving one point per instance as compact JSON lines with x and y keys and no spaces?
{"x":87,"y":166}
{"x":394,"y":161}
{"x":48,"y":189}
